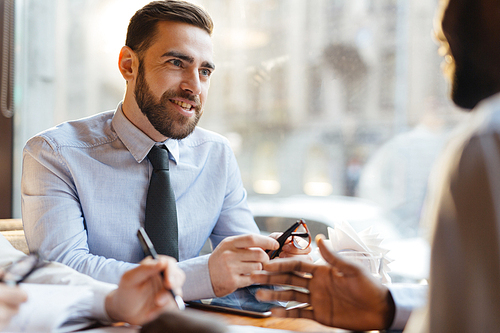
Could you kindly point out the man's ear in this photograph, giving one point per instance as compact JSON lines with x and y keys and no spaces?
{"x":128,"y":63}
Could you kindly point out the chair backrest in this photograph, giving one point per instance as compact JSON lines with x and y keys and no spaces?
{"x":12,"y":230}
{"x":270,"y":224}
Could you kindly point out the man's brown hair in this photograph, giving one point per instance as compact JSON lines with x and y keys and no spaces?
{"x":142,"y":30}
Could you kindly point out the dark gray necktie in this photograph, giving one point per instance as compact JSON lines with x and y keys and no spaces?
{"x":161,"y":215}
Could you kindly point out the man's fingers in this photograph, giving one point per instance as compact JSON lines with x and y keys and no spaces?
{"x":275,"y":235}
{"x":344,"y":266}
{"x":174,"y":276}
{"x":251,"y":255}
{"x":289,"y":279}
{"x":291,"y":249}
{"x":282,"y":295}
{"x":12,"y":296}
{"x":7,"y":312}
{"x":246,"y":241}
{"x":148,"y":268}
{"x":289,"y":265}
{"x":242,"y":281}
{"x":293,"y":313}
{"x":327,"y":252}
{"x":246,"y":268}
{"x":163,"y":297}
{"x":155,"y":312}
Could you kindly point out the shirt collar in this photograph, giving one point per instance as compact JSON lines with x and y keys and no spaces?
{"x":136,"y":141}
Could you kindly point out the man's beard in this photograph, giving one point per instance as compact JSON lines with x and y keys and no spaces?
{"x":469,"y":84}
{"x":474,"y":68}
{"x":166,"y":120}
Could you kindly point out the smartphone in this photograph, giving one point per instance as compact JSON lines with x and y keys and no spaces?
{"x":242,"y":302}
{"x":18,"y":271}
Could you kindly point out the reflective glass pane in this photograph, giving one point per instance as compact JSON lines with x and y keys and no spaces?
{"x":335,"y":109}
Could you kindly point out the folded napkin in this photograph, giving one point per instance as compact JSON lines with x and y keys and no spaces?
{"x":345,"y":238}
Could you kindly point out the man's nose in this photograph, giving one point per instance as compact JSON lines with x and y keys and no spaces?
{"x":191,"y":83}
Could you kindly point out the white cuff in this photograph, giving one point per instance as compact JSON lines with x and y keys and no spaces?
{"x":98,"y":309}
{"x":407,"y":297}
{"x":198,"y":284}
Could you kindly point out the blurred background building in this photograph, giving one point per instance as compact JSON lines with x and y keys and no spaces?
{"x":318,"y":97}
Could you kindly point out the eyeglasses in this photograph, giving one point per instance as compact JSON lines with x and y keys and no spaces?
{"x":301,"y":238}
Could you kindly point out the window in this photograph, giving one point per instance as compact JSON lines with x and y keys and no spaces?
{"x":6,"y":105}
{"x":330,"y":98}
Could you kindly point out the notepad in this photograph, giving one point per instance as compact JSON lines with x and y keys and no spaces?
{"x":52,"y":308}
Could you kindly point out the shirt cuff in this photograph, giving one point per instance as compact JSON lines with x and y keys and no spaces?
{"x":56,"y":273}
{"x":198,"y":284}
{"x":98,"y":308}
{"x":407,"y":297}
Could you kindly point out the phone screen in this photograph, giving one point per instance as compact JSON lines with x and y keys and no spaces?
{"x":242,"y":301}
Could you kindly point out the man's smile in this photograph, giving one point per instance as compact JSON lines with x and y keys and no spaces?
{"x":184,"y":105}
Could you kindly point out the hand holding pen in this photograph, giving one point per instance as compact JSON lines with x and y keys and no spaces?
{"x":141,"y":294}
{"x":149,"y":250}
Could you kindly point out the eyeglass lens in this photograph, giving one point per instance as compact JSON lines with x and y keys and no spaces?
{"x":300,"y":237}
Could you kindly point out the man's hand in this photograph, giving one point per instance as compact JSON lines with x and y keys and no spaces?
{"x":290,"y":251}
{"x":10,"y":300}
{"x":341,"y":294}
{"x":232,"y":261}
{"x":142,"y":295}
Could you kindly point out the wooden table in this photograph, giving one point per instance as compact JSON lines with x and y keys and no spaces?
{"x":292,"y":324}
{"x":288,"y":324}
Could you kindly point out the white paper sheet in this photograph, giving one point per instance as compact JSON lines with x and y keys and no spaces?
{"x":344,"y":237}
{"x":49,"y":307}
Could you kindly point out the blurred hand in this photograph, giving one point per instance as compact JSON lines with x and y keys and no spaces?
{"x":189,"y":321}
{"x":341,"y":294}
{"x":232,"y":261}
{"x":142,"y":295}
{"x":290,"y":251}
{"x":10,"y":300}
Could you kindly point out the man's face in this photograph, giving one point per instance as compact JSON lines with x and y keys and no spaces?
{"x":173,"y":78}
{"x":466,"y":34}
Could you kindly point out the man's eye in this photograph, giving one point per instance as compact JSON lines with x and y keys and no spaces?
{"x":176,"y":62}
{"x":205,"y":72}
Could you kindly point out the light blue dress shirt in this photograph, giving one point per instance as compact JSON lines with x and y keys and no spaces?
{"x":84,"y":187}
{"x":407,"y":298}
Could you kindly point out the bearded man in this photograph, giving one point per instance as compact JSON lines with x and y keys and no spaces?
{"x":85,"y":183}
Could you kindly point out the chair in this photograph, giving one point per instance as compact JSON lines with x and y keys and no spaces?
{"x":12,"y":230}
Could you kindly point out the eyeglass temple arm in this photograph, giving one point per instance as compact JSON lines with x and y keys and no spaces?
{"x":281,"y":240}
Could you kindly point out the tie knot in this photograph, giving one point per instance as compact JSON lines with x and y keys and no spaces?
{"x":158,"y":156}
